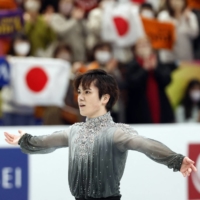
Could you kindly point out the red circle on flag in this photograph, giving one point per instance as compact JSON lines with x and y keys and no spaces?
{"x":138,"y":1}
{"x":122,"y":25}
{"x":36,"y":79}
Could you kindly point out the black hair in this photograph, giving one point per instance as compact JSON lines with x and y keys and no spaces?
{"x":105,"y":83}
{"x":146,"y":6}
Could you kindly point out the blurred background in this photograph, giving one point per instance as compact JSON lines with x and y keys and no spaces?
{"x":151,"y":47}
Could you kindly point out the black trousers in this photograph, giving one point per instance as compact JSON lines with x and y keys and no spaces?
{"x":107,"y":198}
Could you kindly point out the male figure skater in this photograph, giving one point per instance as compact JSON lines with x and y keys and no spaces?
{"x":98,"y":147}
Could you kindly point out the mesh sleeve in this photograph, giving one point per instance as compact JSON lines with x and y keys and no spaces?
{"x":44,"y":144}
{"x":128,"y":139}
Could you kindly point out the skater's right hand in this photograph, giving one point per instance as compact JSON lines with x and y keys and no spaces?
{"x":13,"y":139}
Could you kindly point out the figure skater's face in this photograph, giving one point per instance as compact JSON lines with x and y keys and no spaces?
{"x":90,"y":104}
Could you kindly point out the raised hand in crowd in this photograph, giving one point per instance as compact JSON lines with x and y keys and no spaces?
{"x":48,"y":13}
{"x":150,"y":63}
{"x":32,"y":8}
{"x":78,"y":67}
{"x":77,"y":13}
{"x":186,"y":14}
{"x":111,"y":65}
{"x":145,"y":53}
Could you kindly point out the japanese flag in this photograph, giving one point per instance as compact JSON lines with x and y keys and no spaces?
{"x":121,"y":24}
{"x":39,"y":81}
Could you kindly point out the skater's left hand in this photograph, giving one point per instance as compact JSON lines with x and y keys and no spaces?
{"x":187,"y":167}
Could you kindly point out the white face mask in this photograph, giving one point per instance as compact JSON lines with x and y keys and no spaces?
{"x":195,"y":95}
{"x":103,"y":56}
{"x":177,"y":5}
{"x":32,"y":5}
{"x":147,"y":13}
{"x":22,"y":48}
{"x":65,"y":8}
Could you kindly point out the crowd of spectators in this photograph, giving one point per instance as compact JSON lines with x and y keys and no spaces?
{"x":69,"y":30}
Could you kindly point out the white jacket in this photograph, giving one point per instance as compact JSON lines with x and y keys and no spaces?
{"x":185,"y":32}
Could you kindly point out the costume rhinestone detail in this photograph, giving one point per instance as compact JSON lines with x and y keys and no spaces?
{"x":88,"y":132}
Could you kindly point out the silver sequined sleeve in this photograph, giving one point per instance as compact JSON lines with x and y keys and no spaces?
{"x":128,"y":139}
{"x":44,"y":144}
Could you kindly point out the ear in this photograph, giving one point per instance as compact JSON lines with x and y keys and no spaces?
{"x":105,"y":98}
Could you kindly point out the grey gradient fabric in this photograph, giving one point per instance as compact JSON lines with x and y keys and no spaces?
{"x":97,"y":154}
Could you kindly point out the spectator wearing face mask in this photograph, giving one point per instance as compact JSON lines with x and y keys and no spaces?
{"x":146,"y":80}
{"x":21,"y":46}
{"x":102,"y":58}
{"x":70,"y":27}
{"x":146,"y":10}
{"x":189,"y":107}
{"x":187,"y":29}
{"x":39,"y":33}
{"x":68,"y":114}
{"x":14,"y":114}
{"x":94,"y":26}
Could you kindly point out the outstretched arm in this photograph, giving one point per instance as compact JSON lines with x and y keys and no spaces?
{"x":128,"y":139}
{"x":38,"y":144}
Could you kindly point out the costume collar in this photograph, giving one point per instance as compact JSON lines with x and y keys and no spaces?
{"x":103,"y":119}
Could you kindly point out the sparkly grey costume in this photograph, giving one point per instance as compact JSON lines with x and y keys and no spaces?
{"x":98,"y":152}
